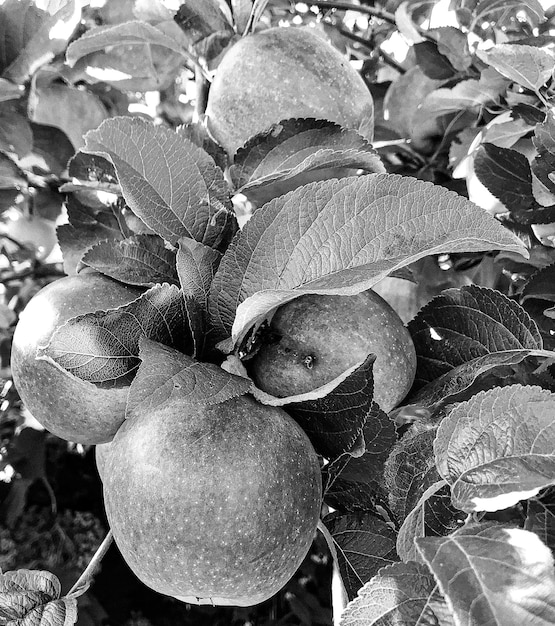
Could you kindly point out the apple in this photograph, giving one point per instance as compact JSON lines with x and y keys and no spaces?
{"x":282,"y":73}
{"x":69,"y":407}
{"x":212,"y":504}
{"x":315,"y":338}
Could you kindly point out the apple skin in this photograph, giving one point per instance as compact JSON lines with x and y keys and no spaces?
{"x":283,"y":73}
{"x":213,"y":505}
{"x":316,"y":338}
{"x":67,"y":406}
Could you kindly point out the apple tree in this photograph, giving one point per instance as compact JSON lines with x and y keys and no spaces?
{"x":285,"y":272}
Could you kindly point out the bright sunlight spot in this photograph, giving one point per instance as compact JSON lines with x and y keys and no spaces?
{"x":7,"y":474}
{"x":435,"y":335}
{"x":503,"y":500}
{"x":107,"y":74}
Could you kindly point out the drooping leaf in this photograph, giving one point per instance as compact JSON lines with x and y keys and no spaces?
{"x":297,"y":151}
{"x":166,"y":374}
{"x":493,"y":574}
{"x":30,"y":37}
{"x":364,"y":544}
{"x":497,"y":448}
{"x":528,"y":66}
{"x":335,"y":423}
{"x":32,"y":598}
{"x":103,"y":347}
{"x":434,"y":64}
{"x":341,"y":237}
{"x":463,"y":324}
{"x":506,"y":174}
{"x":171,"y":184}
{"x":402,"y":594}
{"x":356,"y":483}
{"x":138,"y":260}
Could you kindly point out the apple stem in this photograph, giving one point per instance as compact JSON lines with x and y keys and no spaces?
{"x":85,"y":580}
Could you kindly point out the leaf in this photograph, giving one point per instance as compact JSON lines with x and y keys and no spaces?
{"x":491,"y":574}
{"x":453,"y":44}
{"x":198,"y":134}
{"x":241,"y":10}
{"x":364,"y":544}
{"x":166,"y":374}
{"x":15,"y":132}
{"x":196,"y":266}
{"x":11,"y":175}
{"x":540,"y":519}
{"x":543,"y":165}
{"x":356,"y":483}
{"x":31,"y":38}
{"x":496,"y":448}
{"x":402,"y":594}
{"x":74,"y":111}
{"x":171,"y":184}
{"x":334,"y":423}
{"x":341,"y":237}
{"x":285,"y":154}
{"x":434,"y":64}
{"x":506,"y":174}
{"x":103,"y":347}
{"x":138,"y":260}
{"x":9,"y":90}
{"x":532,"y":8}
{"x":53,"y":145}
{"x":528,"y":66}
{"x":463,"y":324}
{"x":410,"y":470}
{"x":32,"y":598}
{"x":199,"y":19}
{"x":541,"y":285}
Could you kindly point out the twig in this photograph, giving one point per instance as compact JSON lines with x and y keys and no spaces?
{"x":84,"y":581}
{"x":387,"y":59}
{"x":346,"y":6}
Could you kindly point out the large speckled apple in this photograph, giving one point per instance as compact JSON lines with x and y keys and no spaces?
{"x":67,"y":406}
{"x":281,"y":73}
{"x":213,"y":504}
{"x":315,"y":338}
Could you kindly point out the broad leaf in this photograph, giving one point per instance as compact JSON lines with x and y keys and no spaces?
{"x":341,"y":237}
{"x":170,"y":183}
{"x":138,"y":260}
{"x":297,"y":151}
{"x":463,"y":324}
{"x":166,"y":374}
{"x":15,"y":131}
{"x":434,"y":64}
{"x":540,"y":519}
{"x":506,"y":174}
{"x":103,"y":347}
{"x":32,"y":598}
{"x":30,"y":37}
{"x":196,"y":266}
{"x":402,"y":594}
{"x":452,"y":43}
{"x":364,"y":544}
{"x":541,"y":285}
{"x":492,"y":574}
{"x":53,"y":146}
{"x":497,"y":448}
{"x":197,"y":134}
{"x":528,"y":66}
{"x":544,"y":141}
{"x":336,"y":422}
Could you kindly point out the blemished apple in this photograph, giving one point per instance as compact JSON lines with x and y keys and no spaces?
{"x":71,"y":408}
{"x":213,"y":504}
{"x":283,"y":73}
{"x":315,"y":338}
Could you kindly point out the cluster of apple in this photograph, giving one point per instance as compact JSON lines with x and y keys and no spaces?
{"x":218,"y":502}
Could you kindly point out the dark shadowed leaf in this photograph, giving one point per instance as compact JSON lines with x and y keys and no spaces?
{"x":506,"y":174}
{"x":540,"y":518}
{"x":171,"y":184}
{"x":541,"y":285}
{"x":341,"y":237}
{"x":453,"y":44}
{"x":364,"y":544}
{"x":11,"y":175}
{"x":493,"y":574}
{"x":411,"y":470}
{"x":138,"y":260}
{"x":463,"y":324}
{"x":357,"y":483}
{"x":291,"y":152}
{"x":94,"y":171}
{"x":434,"y":64}
{"x":528,"y":66}
{"x":197,"y":134}
{"x":15,"y":132}
{"x":103,"y":347}
{"x":32,"y":598}
{"x":166,"y":374}
{"x":53,"y":145}
{"x":200,"y":18}
{"x":497,"y":448}
{"x":336,"y":422}
{"x":402,"y":594}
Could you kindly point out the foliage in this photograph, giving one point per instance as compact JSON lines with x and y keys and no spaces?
{"x":106,"y":165}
